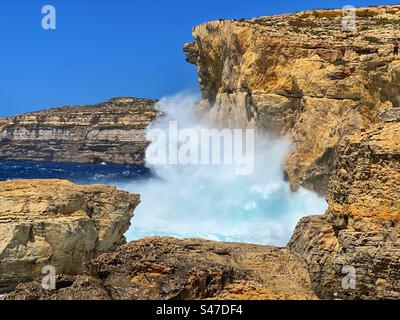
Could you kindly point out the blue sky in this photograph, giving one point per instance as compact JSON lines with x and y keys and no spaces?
{"x":107,"y":48}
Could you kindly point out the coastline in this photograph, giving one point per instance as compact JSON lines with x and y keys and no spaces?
{"x":333,"y":94}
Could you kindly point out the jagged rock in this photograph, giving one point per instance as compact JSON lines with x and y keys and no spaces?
{"x":57,"y":223}
{"x":167,"y":268}
{"x":302,"y":76}
{"x":111,"y":132}
{"x":361,"y":228}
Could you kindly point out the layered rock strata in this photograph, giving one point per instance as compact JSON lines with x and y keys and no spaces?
{"x":58,"y":223}
{"x":111,"y":132}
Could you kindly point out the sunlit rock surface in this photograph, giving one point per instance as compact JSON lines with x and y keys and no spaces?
{"x":58,"y":223}
{"x":170,"y":269}
{"x":361,"y":228}
{"x":302,"y":76}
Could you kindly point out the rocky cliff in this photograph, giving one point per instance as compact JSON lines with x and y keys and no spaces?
{"x":170,"y":269}
{"x":111,"y":132}
{"x":301,"y":76}
{"x":57,"y":223}
{"x":335,"y":94}
{"x":361,"y":228}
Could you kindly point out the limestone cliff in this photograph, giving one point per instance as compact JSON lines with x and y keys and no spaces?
{"x":171,"y":269}
{"x":361,"y":228}
{"x":335,"y":95}
{"x":57,"y":223}
{"x":111,"y":132}
{"x":301,"y":76}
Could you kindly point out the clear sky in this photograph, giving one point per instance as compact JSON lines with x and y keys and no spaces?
{"x":107,"y":48}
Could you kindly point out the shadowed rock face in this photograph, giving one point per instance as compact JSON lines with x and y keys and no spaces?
{"x":58,"y":223}
{"x":111,"y":132}
{"x":167,"y":268}
{"x":361,"y":228}
{"x":300,"y":76}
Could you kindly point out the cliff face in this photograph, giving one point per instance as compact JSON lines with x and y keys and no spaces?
{"x":111,"y":132}
{"x":335,"y":94}
{"x":167,"y":268}
{"x":299,"y":76}
{"x":57,"y":223}
{"x":361,"y":228}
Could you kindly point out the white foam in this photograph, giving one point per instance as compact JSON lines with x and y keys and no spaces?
{"x":212,"y":202}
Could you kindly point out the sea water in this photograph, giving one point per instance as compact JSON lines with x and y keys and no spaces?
{"x":212,"y":201}
{"x":206,"y":201}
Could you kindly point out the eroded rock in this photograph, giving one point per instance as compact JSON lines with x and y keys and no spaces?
{"x":58,"y":223}
{"x":170,"y":269}
{"x":361,"y":229}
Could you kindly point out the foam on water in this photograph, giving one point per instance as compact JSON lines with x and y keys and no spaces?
{"x":211,"y":201}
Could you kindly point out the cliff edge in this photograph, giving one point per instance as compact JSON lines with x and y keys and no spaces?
{"x":301,"y":76}
{"x":335,"y":94}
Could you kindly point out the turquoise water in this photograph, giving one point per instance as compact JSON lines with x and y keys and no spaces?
{"x":211,"y":201}
{"x":208,"y":201}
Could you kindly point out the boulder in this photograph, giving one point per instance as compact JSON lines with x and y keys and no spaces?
{"x":57,"y":223}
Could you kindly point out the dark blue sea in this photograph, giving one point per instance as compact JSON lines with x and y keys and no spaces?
{"x":78,"y":173}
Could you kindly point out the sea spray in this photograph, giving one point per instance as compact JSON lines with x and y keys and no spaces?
{"x":211,"y":201}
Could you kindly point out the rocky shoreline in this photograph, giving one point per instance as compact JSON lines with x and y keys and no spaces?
{"x":335,"y":94}
{"x":172,"y":269}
